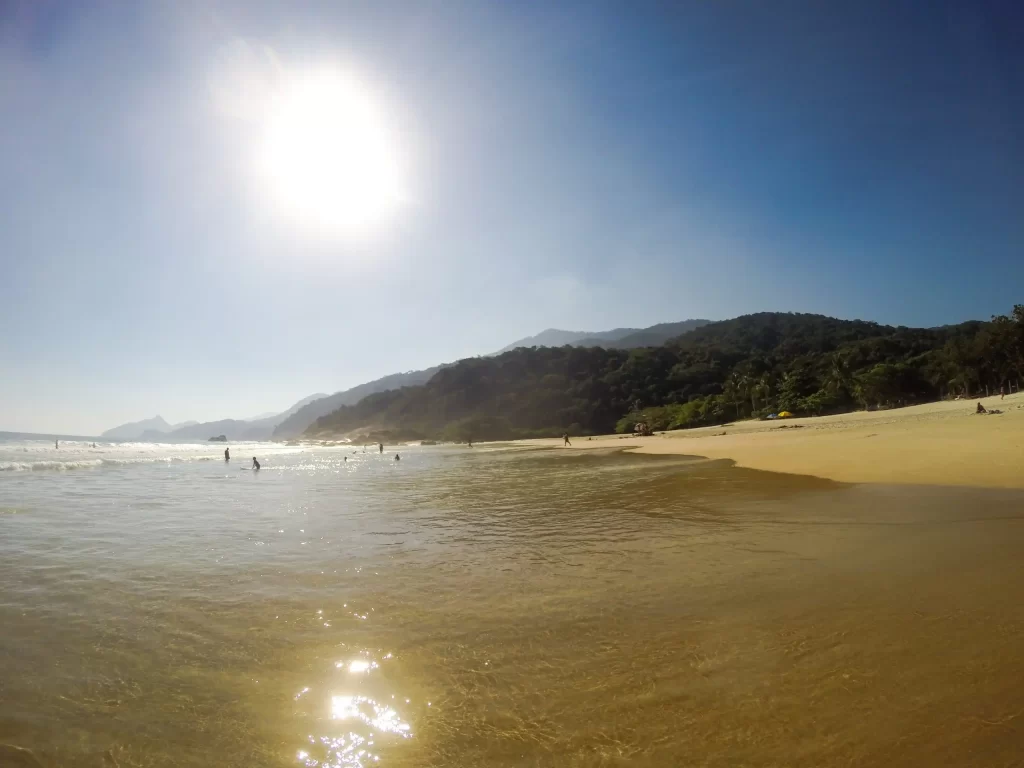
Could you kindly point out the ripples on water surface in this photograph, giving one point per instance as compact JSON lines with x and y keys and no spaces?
{"x":500,"y":608}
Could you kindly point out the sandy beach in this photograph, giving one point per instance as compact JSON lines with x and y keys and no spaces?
{"x":942,"y":443}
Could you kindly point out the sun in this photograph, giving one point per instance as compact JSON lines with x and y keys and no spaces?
{"x":327,"y":159}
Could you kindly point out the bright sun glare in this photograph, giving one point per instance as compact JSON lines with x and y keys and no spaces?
{"x":327,"y":159}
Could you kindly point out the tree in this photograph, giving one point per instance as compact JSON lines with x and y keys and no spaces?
{"x":780,"y":361}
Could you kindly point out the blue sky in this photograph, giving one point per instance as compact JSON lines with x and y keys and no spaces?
{"x":577,"y":165}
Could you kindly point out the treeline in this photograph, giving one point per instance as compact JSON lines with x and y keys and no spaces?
{"x":746,"y":367}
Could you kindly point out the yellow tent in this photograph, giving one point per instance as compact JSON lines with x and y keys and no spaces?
{"x":785,"y":415}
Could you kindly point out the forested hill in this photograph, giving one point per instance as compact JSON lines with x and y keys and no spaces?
{"x":751,"y":365}
{"x":299,"y":421}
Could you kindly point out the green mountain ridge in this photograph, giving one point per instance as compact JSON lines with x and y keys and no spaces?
{"x":305,"y":417}
{"x":748,"y":366}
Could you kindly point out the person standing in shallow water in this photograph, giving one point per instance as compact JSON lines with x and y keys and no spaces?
{"x":255,"y":464}
{"x":227,"y":454}
{"x":381,"y":446}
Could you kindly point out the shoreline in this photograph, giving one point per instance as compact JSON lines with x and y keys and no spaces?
{"x":940,"y":443}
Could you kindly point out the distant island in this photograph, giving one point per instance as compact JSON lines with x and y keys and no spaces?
{"x":217,"y":439}
{"x":157,"y":430}
{"x":751,"y":366}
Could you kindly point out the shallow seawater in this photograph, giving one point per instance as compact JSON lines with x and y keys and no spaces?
{"x":503,"y":608}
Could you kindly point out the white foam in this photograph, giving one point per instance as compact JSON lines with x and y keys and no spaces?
{"x":38,"y":455}
{"x":34,"y":466}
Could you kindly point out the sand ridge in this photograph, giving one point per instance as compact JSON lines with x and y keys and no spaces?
{"x":942,"y":443}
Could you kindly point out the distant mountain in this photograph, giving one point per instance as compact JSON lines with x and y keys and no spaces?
{"x":297,"y":422}
{"x":617,"y":338}
{"x":133,"y":430}
{"x":555,"y":337}
{"x":235,"y":429}
{"x":297,"y":419}
{"x":654,"y":336}
{"x":261,"y":416}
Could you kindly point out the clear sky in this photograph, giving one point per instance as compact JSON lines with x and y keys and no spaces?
{"x":193,"y":221}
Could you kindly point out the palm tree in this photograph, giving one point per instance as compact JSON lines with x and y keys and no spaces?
{"x":731,"y":391}
{"x":762,"y":390}
{"x":839,"y":380}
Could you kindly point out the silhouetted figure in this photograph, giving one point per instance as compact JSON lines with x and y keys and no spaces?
{"x":397,"y":457}
{"x":56,"y":445}
{"x":381,"y":446}
{"x":94,"y":445}
{"x":566,"y":438}
{"x":346,"y":459}
{"x":470,"y":443}
{"x":980,"y":409}
{"x":1002,"y":392}
{"x":227,"y":454}
{"x":255,"y":464}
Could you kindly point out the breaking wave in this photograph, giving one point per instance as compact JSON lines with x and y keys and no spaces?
{"x":60,"y":466}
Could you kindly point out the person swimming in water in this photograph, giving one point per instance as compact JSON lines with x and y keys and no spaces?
{"x":227,"y":455}
{"x":255,"y":464}
{"x":397,"y":457}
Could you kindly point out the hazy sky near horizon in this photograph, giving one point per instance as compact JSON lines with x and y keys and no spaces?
{"x":579,"y":165}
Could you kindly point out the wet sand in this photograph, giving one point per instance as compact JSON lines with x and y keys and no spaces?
{"x":943,"y":443}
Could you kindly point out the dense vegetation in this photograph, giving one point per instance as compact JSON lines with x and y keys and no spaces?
{"x":748,"y":366}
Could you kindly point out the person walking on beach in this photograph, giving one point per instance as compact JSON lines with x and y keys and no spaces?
{"x":227,"y":454}
{"x":381,"y":446}
{"x":255,"y":464}
{"x":1002,"y":393}
{"x":566,"y":438}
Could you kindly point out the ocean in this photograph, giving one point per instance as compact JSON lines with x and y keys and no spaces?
{"x":496,"y":606}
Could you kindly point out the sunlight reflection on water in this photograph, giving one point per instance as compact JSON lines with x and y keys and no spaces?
{"x":350,"y":748}
{"x":492,"y":610}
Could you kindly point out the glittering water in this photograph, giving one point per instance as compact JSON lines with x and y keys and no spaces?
{"x":496,"y":607}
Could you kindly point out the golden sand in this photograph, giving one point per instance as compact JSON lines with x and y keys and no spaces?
{"x":942,"y":443}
